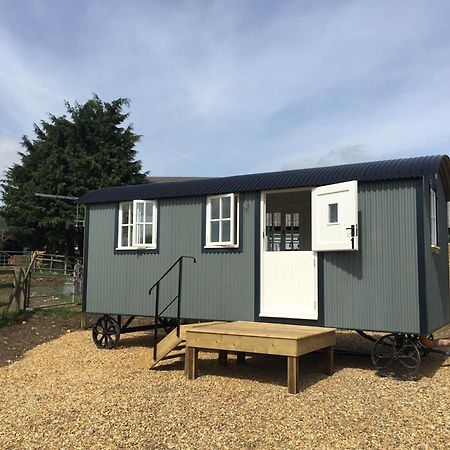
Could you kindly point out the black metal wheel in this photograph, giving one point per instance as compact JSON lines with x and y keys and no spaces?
{"x":106,"y":332}
{"x":396,"y":355}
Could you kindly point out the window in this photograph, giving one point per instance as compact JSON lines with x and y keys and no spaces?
{"x":126,"y":224}
{"x":333,"y":213}
{"x":222,"y":219}
{"x":433,"y":217}
{"x":137,"y":224}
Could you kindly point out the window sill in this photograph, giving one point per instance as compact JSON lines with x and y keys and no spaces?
{"x":136,"y":251}
{"x":134,"y":248}
{"x":220,"y":246}
{"x":211,"y":249}
{"x":435,"y":249}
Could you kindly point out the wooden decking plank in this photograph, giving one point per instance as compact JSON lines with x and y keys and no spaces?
{"x":262,"y":330}
{"x":249,"y":344}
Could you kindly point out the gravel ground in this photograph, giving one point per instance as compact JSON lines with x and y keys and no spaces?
{"x":66,"y":394}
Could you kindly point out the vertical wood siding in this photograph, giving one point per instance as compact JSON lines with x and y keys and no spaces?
{"x":437,"y":307}
{"x":219,"y":286}
{"x":376,"y":288}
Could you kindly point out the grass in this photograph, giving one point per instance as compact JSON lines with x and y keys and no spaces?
{"x":60,"y":311}
{"x":17,"y":316}
{"x":11,"y":317}
{"x":5,"y":293}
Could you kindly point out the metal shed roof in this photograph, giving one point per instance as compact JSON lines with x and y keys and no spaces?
{"x":368,"y":171}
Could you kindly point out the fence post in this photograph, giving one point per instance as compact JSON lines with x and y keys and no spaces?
{"x":23,"y":290}
{"x":83,"y":320}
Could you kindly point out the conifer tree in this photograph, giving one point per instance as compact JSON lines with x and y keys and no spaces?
{"x":88,"y":148}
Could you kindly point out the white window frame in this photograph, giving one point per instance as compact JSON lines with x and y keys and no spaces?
{"x":433,"y":218}
{"x":129,"y":225}
{"x":234,"y":222}
{"x":132,"y":244}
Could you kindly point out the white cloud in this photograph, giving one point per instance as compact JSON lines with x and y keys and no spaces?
{"x":260,"y":86}
{"x":9,"y":149}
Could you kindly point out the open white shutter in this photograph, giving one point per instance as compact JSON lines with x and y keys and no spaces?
{"x":335,"y":217}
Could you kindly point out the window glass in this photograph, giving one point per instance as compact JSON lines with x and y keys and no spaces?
{"x":288,"y":219}
{"x":215,"y":231}
{"x":126,"y":215}
{"x":148,"y":233}
{"x":149,"y":213}
{"x":139,"y":233}
{"x":277,"y":219}
{"x":226,"y":231}
{"x":282,"y":231}
{"x":139,"y":212}
{"x":226,"y":208}
{"x":433,"y":217}
{"x":125,"y":237}
{"x":333,"y":213}
{"x":215,"y":208}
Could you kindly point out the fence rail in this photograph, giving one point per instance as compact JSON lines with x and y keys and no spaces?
{"x":11,"y":258}
{"x":45,"y":281}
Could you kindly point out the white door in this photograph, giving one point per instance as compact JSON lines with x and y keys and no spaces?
{"x":288,"y":271}
{"x":335,"y":217}
{"x":289,"y":287}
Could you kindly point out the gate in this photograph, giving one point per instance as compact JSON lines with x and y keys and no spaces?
{"x":54,"y":280}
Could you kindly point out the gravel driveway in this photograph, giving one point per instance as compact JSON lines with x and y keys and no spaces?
{"x":66,"y":394}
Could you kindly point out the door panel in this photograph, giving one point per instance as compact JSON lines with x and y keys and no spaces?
{"x":289,"y":287}
{"x":335,"y":217}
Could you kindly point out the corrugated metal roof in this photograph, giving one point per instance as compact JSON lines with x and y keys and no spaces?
{"x":171,"y":179}
{"x":369,"y":171}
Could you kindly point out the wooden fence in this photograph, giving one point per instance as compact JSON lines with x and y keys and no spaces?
{"x":17,"y":280}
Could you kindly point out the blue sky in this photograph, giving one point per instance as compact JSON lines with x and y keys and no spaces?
{"x":227,"y":87}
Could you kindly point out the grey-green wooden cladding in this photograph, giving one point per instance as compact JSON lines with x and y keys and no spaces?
{"x":376,"y":288}
{"x":436,"y":309}
{"x":219,"y":286}
{"x":393,"y":283}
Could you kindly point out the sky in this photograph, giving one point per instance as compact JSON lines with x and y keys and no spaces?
{"x":228,"y":87}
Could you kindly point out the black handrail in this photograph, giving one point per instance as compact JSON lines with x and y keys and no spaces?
{"x":177,"y":297}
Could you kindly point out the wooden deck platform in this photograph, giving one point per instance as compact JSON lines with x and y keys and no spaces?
{"x":291,"y":341}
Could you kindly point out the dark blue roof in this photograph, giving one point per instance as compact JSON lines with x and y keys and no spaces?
{"x":368,"y":171}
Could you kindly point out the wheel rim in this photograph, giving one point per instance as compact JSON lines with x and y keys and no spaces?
{"x":396,"y":355}
{"x":408,"y":360}
{"x":383,"y":352}
{"x":106,"y":332}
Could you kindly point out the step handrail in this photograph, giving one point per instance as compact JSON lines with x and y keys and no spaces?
{"x":177,"y":298}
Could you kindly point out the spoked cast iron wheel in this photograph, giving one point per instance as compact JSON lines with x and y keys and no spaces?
{"x":396,"y":355}
{"x":106,"y":332}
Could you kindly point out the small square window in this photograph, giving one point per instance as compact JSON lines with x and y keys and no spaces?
{"x":333,"y":213}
